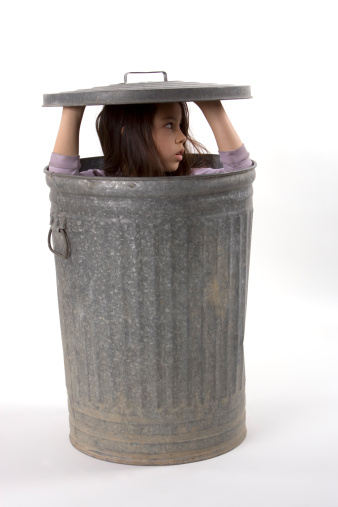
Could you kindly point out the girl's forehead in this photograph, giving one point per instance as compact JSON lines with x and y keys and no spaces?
{"x":169,"y":109}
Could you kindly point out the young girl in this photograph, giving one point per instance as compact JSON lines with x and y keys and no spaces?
{"x":148,"y":140}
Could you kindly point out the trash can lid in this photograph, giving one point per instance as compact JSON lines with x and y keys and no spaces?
{"x":147,"y":92}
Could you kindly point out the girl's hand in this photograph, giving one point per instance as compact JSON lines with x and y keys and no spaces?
{"x":226,"y":137}
{"x":67,"y":141}
{"x":208,"y":104}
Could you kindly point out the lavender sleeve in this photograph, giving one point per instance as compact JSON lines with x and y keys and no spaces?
{"x":66,"y":164}
{"x":232,"y":161}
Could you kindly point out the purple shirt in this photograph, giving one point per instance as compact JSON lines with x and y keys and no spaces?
{"x":232,"y":161}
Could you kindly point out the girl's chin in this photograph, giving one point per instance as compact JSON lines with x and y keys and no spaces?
{"x":172,"y":168}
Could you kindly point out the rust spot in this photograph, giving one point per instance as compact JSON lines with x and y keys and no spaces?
{"x":213,"y":294}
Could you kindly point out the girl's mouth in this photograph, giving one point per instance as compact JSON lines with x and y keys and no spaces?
{"x":179,"y":155}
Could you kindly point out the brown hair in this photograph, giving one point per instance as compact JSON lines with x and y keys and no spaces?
{"x":125,"y":133}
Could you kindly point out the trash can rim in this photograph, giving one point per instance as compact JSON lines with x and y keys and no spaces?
{"x":150,"y":179}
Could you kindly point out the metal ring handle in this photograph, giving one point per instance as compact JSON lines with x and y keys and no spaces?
{"x":65,"y":255}
{"x":148,"y":72}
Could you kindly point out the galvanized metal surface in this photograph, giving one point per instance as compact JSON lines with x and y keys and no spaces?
{"x":148,"y":92}
{"x":152,"y":302}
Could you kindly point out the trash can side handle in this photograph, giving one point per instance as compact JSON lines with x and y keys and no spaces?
{"x":58,"y":254}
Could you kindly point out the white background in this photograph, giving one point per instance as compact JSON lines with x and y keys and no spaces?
{"x":286,"y":51}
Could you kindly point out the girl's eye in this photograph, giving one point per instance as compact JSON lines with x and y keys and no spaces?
{"x":169,"y":125}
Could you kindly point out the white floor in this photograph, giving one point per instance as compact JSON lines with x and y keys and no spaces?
{"x":289,"y":458}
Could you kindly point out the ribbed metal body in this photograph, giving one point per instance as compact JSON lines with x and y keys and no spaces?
{"x":152,"y":303}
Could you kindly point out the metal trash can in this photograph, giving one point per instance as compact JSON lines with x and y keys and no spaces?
{"x":152,"y":277}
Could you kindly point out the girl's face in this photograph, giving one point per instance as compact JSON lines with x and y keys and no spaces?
{"x":167,"y":134}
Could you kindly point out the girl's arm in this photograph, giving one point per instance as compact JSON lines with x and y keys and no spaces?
{"x":67,"y":141}
{"x":226,"y":136}
{"x":65,"y":157}
{"x":233,"y":154}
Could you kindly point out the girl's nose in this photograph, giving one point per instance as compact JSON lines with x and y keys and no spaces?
{"x":181,"y":138}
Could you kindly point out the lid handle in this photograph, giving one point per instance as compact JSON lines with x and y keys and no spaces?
{"x":148,"y":72}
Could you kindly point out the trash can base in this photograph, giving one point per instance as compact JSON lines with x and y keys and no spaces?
{"x":167,"y":458}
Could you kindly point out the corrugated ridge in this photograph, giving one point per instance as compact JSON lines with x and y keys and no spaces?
{"x":152,"y":283}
